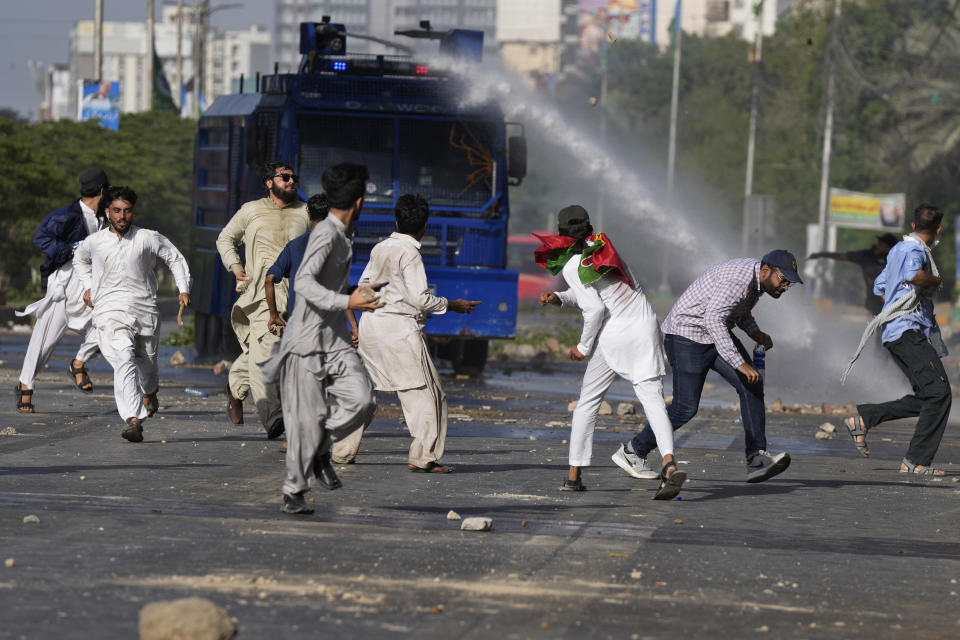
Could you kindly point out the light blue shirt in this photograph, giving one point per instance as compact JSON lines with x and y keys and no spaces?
{"x":903,"y":262}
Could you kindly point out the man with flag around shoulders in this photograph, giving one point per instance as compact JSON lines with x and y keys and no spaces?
{"x":620,"y":336}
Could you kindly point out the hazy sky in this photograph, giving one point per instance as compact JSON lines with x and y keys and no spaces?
{"x":40,"y":30}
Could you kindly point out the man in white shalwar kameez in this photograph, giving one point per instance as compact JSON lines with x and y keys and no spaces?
{"x":315,"y":358}
{"x":117,"y":268}
{"x":264,"y":227}
{"x":62,"y":307}
{"x":392,"y":342}
{"x":620,"y":335}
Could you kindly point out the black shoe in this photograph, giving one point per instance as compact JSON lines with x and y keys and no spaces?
{"x":295,"y":504}
{"x":275,"y":431}
{"x":133,"y":432}
{"x":325,"y":473}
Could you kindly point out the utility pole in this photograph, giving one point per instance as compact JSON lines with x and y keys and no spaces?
{"x":827,"y":144}
{"x":178,"y":88}
{"x":672,"y":149}
{"x":148,"y":84}
{"x":197,"y":54}
{"x":603,"y":122}
{"x":752,"y":134}
{"x":98,"y":40}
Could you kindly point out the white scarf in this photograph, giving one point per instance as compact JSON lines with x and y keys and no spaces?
{"x":901,"y":307}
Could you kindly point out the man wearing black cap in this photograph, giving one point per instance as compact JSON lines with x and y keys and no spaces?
{"x":62,"y":307}
{"x":871,"y":262}
{"x":698,"y":337}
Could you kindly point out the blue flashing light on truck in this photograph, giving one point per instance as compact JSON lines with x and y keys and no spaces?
{"x":406,"y":122}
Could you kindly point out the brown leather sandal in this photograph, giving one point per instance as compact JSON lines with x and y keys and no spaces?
{"x":85,"y":383}
{"x":24,"y":406}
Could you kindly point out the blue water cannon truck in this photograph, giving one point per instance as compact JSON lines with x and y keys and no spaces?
{"x":405,"y":119}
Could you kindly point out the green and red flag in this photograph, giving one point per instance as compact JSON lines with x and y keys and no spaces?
{"x":597,"y":260}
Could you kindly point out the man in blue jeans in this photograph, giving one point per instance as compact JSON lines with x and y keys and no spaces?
{"x":698,"y":337}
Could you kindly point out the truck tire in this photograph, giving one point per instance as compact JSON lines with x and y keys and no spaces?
{"x":470,"y":356}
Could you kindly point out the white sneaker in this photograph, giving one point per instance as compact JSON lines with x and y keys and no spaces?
{"x":633,"y":464}
{"x":764,"y":465}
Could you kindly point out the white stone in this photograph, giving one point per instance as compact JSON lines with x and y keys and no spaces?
{"x":626,"y":409}
{"x":827,"y":427}
{"x":177,"y":359}
{"x":572,"y":405}
{"x":606,"y":409}
{"x":476,"y":524}
{"x":31,"y":519}
{"x":514,"y":350}
{"x":823,"y":435}
{"x":453,"y":515}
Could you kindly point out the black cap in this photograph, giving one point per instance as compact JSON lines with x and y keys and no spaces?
{"x":93,"y":179}
{"x":783,"y":260}
{"x":888,"y":239}
{"x":572,"y":219}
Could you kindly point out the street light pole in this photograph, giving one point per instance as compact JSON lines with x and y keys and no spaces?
{"x":178,"y":90}
{"x":603,"y":124}
{"x":148,"y":84}
{"x":98,"y":40}
{"x":827,"y":147}
{"x":752,"y":133}
{"x":672,"y":149}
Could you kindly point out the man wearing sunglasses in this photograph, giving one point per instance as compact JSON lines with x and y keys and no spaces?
{"x":698,"y":337}
{"x":264,"y":227}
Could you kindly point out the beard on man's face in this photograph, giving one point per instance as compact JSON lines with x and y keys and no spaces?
{"x":123,"y":228}
{"x":282,"y":194}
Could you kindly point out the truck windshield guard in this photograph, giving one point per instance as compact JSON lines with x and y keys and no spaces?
{"x":448,"y":161}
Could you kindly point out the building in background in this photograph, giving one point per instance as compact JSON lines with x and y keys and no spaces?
{"x":379,"y":18}
{"x":55,"y":85}
{"x":717,"y":18}
{"x":228,"y":55}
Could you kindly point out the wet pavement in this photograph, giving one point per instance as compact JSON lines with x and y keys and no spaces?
{"x":838,"y":546}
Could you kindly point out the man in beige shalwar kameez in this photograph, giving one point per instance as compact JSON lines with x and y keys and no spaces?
{"x":392,"y":342}
{"x":264,"y":227}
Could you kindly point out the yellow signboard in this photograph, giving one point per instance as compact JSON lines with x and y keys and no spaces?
{"x":867,"y":210}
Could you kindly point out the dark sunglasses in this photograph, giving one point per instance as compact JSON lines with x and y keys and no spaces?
{"x":287,"y":177}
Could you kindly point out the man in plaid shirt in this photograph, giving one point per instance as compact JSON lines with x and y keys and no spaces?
{"x":698,"y":337}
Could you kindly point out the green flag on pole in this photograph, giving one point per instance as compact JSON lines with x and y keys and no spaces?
{"x":162,"y":100}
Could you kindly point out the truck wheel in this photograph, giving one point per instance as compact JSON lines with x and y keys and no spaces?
{"x":470,"y":356}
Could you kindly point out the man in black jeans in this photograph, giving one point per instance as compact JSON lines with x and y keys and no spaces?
{"x":908,"y":329}
{"x":871,"y":262}
{"x":698,"y":337}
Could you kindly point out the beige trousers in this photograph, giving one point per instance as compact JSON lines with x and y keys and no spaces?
{"x":247,"y":379}
{"x":425,"y":411}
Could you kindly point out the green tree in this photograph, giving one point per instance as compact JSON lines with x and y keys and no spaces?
{"x":150,"y":152}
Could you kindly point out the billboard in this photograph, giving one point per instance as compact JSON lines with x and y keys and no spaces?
{"x":99,"y":101}
{"x":631,"y":19}
{"x":867,"y":210}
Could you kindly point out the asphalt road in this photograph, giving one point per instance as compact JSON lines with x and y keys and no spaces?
{"x":836,"y":547}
